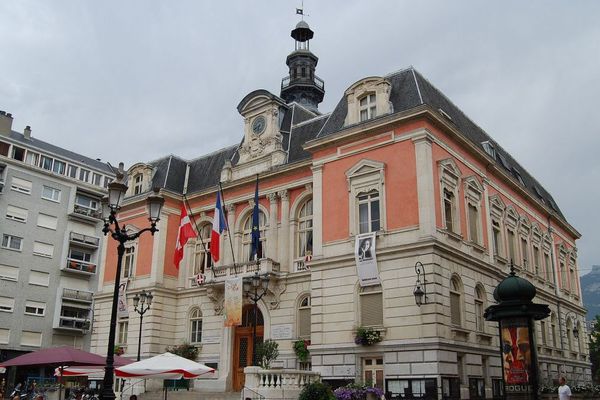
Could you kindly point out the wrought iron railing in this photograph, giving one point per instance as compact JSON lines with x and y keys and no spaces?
{"x":80,"y":266}
{"x":87,"y":211}
{"x":80,"y":238}
{"x":287,"y":81}
{"x":74,"y":294}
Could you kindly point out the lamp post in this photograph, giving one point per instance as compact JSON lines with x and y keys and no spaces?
{"x":255,"y":288}
{"x":141,"y":304}
{"x":420,"y":293}
{"x":110,"y":207}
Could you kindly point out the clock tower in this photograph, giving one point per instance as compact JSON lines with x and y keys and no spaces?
{"x":302,"y":85}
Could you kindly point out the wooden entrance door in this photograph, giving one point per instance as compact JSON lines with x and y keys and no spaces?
{"x":243,"y":346}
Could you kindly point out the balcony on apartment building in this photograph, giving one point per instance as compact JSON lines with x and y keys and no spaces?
{"x":81,"y":254}
{"x":75,"y":310}
{"x":82,"y":296}
{"x":86,"y":208}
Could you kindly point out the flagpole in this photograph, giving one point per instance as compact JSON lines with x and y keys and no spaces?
{"x":186,"y":204}
{"x":229,"y":233}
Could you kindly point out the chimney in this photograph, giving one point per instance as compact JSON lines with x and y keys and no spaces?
{"x":27,"y":132}
{"x":6,"y":120}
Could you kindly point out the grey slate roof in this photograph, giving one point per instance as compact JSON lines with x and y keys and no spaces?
{"x":60,"y":152}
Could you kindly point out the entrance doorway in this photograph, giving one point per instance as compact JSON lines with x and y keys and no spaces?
{"x":243,"y":346}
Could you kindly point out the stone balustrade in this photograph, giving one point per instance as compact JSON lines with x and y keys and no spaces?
{"x":278,"y":383}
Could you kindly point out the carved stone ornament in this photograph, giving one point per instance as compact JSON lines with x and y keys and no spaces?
{"x":217,"y":296}
{"x":276,"y":288}
{"x":272,"y":197}
{"x":284,"y":195}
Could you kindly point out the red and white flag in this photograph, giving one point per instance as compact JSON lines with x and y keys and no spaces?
{"x":217,"y":229}
{"x":186,"y":231}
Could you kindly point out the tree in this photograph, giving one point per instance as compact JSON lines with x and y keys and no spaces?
{"x":184,"y":350}
{"x":595,"y":349}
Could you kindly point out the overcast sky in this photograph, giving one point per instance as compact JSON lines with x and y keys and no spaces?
{"x":137,"y":80}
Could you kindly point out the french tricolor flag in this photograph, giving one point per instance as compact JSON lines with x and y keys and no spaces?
{"x":218,"y":227}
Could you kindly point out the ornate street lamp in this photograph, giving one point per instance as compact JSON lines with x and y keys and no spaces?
{"x":255,"y":287}
{"x":420,"y":293}
{"x":141,"y":304}
{"x":110,"y":207}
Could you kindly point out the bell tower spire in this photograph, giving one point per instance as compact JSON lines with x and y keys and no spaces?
{"x":302,"y":85}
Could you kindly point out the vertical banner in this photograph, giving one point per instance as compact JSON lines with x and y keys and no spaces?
{"x":516,"y":345}
{"x":366,"y":260}
{"x":233,"y":301}
{"x":122,"y":311}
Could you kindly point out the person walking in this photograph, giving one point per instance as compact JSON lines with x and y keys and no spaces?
{"x":564,"y":391}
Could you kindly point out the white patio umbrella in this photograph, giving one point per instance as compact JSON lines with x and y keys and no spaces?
{"x":163,"y":366}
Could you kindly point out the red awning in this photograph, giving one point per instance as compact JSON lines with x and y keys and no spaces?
{"x":63,"y":355}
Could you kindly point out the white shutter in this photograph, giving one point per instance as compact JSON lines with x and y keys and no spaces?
{"x":21,"y":185}
{"x":43,"y":249}
{"x":47,"y":221}
{"x":39,"y":278}
{"x":33,"y":339}
{"x":4,"y":335}
{"x":9,"y":273}
{"x":16,"y":213}
{"x":7,"y":304}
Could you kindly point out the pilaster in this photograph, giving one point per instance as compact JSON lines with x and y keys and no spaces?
{"x":425,"y":190}
{"x":225,"y":239}
{"x":488,"y":222}
{"x":272,"y":233}
{"x":284,"y":229}
{"x":317,"y":171}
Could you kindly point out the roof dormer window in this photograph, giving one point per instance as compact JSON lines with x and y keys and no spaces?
{"x":368,"y":107}
{"x":138,"y":181}
{"x":489,"y":148}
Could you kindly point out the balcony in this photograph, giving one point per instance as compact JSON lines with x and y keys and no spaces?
{"x":300,"y":265}
{"x":318,"y":82}
{"x":79,"y":266}
{"x":222,"y":273}
{"x":84,"y":240}
{"x":89,"y":213}
{"x":77,"y":295}
{"x":73,"y":324}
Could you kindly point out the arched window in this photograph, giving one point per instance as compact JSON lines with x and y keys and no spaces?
{"x":455,"y":301}
{"x":304,"y":241}
{"x":368,"y":212}
{"x":304,"y":318}
{"x":247,"y":236}
{"x":371,"y":306}
{"x":202,"y":258}
{"x":479,"y":308}
{"x":196,"y":326}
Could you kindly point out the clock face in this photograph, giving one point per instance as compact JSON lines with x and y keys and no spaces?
{"x":259,"y":124}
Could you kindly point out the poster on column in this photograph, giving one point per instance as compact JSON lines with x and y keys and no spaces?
{"x":122,"y":311}
{"x":366,"y":260}
{"x":233,"y":301}
{"x":516,"y":356}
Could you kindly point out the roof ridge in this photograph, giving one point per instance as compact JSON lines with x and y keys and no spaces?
{"x":398,"y":72}
{"x":212,"y":153}
{"x":308,"y":121}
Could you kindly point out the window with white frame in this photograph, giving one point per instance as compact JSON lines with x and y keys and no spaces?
{"x":129,"y":261}
{"x":12,"y":242}
{"x":304,"y":324}
{"x":479,"y":308}
{"x":371,"y":306}
{"x":50,"y":193}
{"x":366,"y":196}
{"x":96,"y":179}
{"x":39,"y":278}
{"x":32,"y":158}
{"x":47,"y":221}
{"x":84,"y":175}
{"x":196,"y":326}
{"x":35,"y":308}
{"x":46,"y":162}
{"x":537,"y":266}
{"x":572,"y":275}
{"x":16,"y":213}
{"x":72,"y":171}
{"x":59,"y":167}
{"x":107,"y":181}
{"x":543,"y":331}
{"x":369,"y":217}
{"x":18,"y":153}
{"x":122,"y":328}
{"x":456,"y":301}
{"x":32,"y":339}
{"x":367,"y":107}
{"x":21,"y":185}
{"x":473,"y":196}
{"x":4,"y":336}
{"x":497,"y":238}
{"x":86,"y":202}
{"x":202,"y":258}
{"x":304,"y":241}
{"x":449,"y":178}
{"x":138,"y":182}
{"x":9,"y":273}
{"x":247,"y":235}
{"x":43,"y":249}
{"x":7,"y":304}
{"x":525,"y":253}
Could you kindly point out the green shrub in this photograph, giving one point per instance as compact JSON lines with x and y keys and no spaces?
{"x":184,"y":350}
{"x":266,"y":352}
{"x":316,"y":391}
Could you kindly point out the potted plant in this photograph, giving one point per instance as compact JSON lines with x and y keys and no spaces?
{"x":367,"y":336}
{"x":301,"y":349}
{"x":356,"y":391}
{"x":266,"y":352}
{"x":184,"y":350}
{"x":119,"y":350}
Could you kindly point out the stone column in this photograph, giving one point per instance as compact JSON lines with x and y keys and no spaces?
{"x":317,"y":210}
{"x":159,"y":243}
{"x":272,"y":233}
{"x":284,"y":231}
{"x":488,"y":225}
{"x":425,"y":190}
{"x":225,"y":243}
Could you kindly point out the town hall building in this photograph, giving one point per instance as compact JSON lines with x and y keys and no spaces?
{"x":395,"y":161}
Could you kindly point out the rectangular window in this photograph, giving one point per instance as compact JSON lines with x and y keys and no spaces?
{"x":46,"y":163}
{"x":497,"y":238}
{"x":84,"y":175}
{"x":96,"y":179}
{"x":497,"y":389}
{"x":473,"y":223}
{"x":8,"y":273}
{"x":4,"y":147}
{"x":479,"y":321}
{"x":12,"y":242}
{"x":451,"y":388}
{"x":33,"y":339}
{"x":43,"y":249}
{"x":548,"y":266}
{"x":39,"y":278}
{"x":371,"y":306}
{"x":72,"y":171}
{"x":128,"y":262}
{"x":123,"y":328}
{"x":18,"y":153}
{"x":21,"y":185}
{"x":476,"y":388}
{"x":32,"y":158}
{"x":4,"y":335}
{"x":543,"y":332}
{"x":50,"y":193}
{"x":536,"y":260}
{"x":525,"y":253}
{"x":511,"y":245}
{"x":412,"y":388}
{"x":16,"y":214}
{"x":47,"y":221}
{"x":59,"y":167}
{"x":107,"y":181}
{"x":455,"y":310}
{"x":368,"y":212}
{"x":7,"y":304}
{"x":137,"y":184}
{"x":86,"y":202}
{"x":449,"y":210}
{"x":563,"y":276}
{"x":35,"y":308}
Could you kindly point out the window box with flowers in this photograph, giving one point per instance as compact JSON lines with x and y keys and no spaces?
{"x":367,"y":336}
